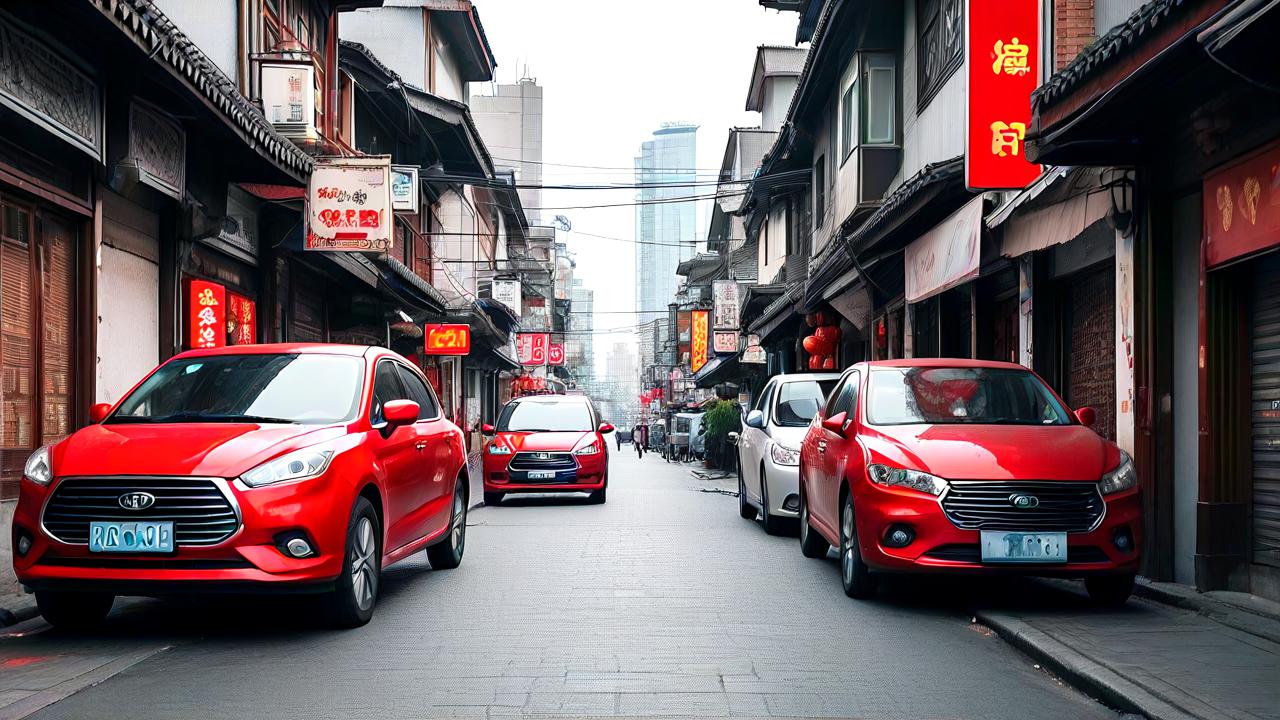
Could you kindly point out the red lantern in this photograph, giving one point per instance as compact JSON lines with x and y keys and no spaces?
{"x":815,"y":362}
{"x":829,"y":363}
{"x":811,"y":345}
{"x":829,"y":333}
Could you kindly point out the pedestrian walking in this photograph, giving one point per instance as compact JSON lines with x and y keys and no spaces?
{"x":617,"y":436}
{"x":639,"y":437}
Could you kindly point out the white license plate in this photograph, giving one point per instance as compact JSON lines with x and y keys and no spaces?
{"x":542,"y":474}
{"x":999,"y":546}
{"x":131,"y":537}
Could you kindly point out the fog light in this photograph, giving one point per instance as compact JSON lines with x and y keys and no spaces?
{"x":23,"y":544}
{"x":899,"y":536}
{"x":298,"y":547}
{"x":1123,"y":540}
{"x":791,"y":502}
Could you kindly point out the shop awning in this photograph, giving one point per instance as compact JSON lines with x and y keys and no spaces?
{"x":778,"y":311}
{"x":719,"y":370}
{"x":405,"y":283}
{"x":947,"y":255}
{"x":1058,"y":213}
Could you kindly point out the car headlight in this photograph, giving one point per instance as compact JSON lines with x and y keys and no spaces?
{"x":783,"y":455}
{"x":591,"y":449}
{"x":297,"y":465}
{"x":39,"y":469}
{"x":901,"y":477}
{"x":495,"y":448}
{"x":1124,"y":477}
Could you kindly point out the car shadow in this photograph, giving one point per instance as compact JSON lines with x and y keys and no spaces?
{"x":550,"y":499}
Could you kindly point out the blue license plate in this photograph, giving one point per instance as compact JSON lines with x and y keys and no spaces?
{"x":542,"y":474}
{"x":131,"y":537}
{"x":999,"y":546}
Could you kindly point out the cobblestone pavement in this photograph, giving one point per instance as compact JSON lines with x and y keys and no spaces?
{"x":663,"y":602}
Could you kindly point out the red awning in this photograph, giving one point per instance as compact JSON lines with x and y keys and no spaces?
{"x":274,"y":192}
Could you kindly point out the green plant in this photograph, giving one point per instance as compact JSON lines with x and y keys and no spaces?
{"x":720,"y":420}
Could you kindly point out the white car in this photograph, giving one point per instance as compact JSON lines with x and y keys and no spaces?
{"x":769,"y":447}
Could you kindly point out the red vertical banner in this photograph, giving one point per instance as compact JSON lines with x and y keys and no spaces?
{"x":206,"y":314}
{"x":555,"y":354}
{"x":699,"y":339}
{"x":531,"y":348}
{"x":1004,"y":49}
{"x":242,"y":319}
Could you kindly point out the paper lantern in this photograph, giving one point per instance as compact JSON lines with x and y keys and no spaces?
{"x":830,"y":333}
{"x":829,"y":363}
{"x":815,"y":362}
{"x":812,"y":345}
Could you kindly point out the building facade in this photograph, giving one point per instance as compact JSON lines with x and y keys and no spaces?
{"x":510,"y":120}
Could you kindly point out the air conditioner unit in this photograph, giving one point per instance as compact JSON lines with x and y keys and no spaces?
{"x":289,"y":98}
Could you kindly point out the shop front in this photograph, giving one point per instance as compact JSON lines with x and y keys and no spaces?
{"x":940,"y":293}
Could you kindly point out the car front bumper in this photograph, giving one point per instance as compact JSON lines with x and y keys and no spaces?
{"x":784,"y":488}
{"x":589,"y":476}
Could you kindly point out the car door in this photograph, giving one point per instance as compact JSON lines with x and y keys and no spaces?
{"x":754,"y":444}
{"x":840,"y":444}
{"x":439,"y":446}
{"x":824,"y":485}
{"x":397,"y":454}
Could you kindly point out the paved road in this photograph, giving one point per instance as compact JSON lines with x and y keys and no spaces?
{"x":661,"y":603}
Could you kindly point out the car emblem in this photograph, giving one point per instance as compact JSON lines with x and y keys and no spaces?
{"x":542,"y":456}
{"x":1024,"y":502}
{"x":137,"y":500}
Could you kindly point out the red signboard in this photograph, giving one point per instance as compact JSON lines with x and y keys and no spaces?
{"x":1004,"y":68}
{"x":242,"y":319}
{"x":531,"y":348}
{"x":699,"y":339}
{"x":555,"y":354}
{"x":442,"y":339}
{"x":206,"y":314}
{"x":1242,"y":207}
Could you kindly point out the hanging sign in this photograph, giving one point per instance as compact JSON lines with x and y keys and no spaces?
{"x":947,"y":255}
{"x":727,"y":302}
{"x":1004,"y":68}
{"x":207,"y":314}
{"x":507,"y":292}
{"x":445,"y":339}
{"x":531,"y":348}
{"x":555,"y":354}
{"x":724,"y":341}
{"x":754,"y":354}
{"x":349,"y":204}
{"x":242,"y":320}
{"x":699,"y":339}
{"x":404,"y":188}
{"x":1242,"y":207}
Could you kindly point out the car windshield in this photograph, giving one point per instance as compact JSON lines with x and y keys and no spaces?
{"x":261,"y":388}
{"x":955,"y":395}
{"x":799,"y":401}
{"x":545,"y":417}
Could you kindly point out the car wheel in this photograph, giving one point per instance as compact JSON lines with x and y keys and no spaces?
{"x":447,"y":554}
{"x":772,"y":525}
{"x":355,"y":593}
{"x":745,"y":509}
{"x":74,"y":610}
{"x":597,"y":497}
{"x":492,"y":498}
{"x":854,"y":574}
{"x":812,"y":544}
{"x":1109,"y":590}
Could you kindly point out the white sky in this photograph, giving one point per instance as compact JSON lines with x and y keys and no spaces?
{"x":613,"y":71}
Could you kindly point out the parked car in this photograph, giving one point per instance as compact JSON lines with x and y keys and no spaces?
{"x":769,"y":447}
{"x":966,"y":466}
{"x":547,"y":444}
{"x":259,"y":468}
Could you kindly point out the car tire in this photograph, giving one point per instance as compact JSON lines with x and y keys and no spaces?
{"x":350,"y":604}
{"x":855,"y":576}
{"x":492,"y":498}
{"x":74,"y":610}
{"x":1109,"y":590}
{"x":447,"y":554}
{"x":745,"y":509}
{"x":771,"y":523}
{"x":597,"y":497}
{"x":812,"y":544}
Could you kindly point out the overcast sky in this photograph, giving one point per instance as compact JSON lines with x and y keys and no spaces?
{"x":612,"y":72}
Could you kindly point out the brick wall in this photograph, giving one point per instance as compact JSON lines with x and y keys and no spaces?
{"x":1072,"y":29}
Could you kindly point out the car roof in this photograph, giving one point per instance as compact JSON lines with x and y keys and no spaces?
{"x":800,"y":377}
{"x":944,"y":362}
{"x":552,"y":398}
{"x":289,"y":349}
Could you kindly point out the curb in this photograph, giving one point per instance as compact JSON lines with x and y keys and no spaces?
{"x":1080,"y":671}
{"x":13,"y":615}
{"x":1237,"y":617}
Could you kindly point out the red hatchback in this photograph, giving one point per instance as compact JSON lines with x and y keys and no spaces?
{"x":970,"y":466}
{"x":547,"y":444}
{"x":277,"y":468}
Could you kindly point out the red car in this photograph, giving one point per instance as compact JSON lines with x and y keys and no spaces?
{"x":277,"y":468}
{"x":969,"y":466}
{"x":547,"y":444}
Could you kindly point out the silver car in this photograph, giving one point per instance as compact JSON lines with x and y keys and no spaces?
{"x":769,"y":447}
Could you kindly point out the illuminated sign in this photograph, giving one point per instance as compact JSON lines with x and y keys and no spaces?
{"x":206,"y":314}
{"x":1004,"y":68}
{"x":442,"y":339}
{"x":242,"y":319}
{"x":699,"y":339}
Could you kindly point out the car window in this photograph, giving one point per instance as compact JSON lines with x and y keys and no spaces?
{"x":386,"y":387}
{"x":763,"y":403}
{"x":799,"y":400}
{"x":535,"y":416}
{"x":417,"y":391}
{"x":847,"y":399}
{"x":833,"y":397}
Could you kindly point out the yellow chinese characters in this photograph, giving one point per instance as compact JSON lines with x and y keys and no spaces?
{"x":1006,"y":138}
{"x":1011,"y":58}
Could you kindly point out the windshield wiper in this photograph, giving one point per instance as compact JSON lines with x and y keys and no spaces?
{"x":214,"y":418}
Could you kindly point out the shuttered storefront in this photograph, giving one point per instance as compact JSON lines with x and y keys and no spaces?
{"x":1265,"y":376}
{"x":1091,"y":344}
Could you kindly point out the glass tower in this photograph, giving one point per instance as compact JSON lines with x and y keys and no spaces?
{"x":665,"y":233}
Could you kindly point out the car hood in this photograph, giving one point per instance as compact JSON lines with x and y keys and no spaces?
{"x":995,"y":452}
{"x":545,"y":441}
{"x":207,"y":449}
{"x":791,"y":437}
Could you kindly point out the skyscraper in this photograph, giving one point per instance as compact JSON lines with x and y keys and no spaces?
{"x":665,"y":229}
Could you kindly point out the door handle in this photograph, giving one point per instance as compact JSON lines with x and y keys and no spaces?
{"x":421,"y":445}
{"x":822,"y":446}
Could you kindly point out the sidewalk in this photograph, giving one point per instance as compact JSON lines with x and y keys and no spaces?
{"x":1203,"y":658}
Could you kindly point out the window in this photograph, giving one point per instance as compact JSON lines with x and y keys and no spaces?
{"x":544,"y":416}
{"x":386,"y":387}
{"x":847,"y":118}
{"x":834,"y":398}
{"x":845,"y":400}
{"x":763,"y":400}
{"x":961,"y":395}
{"x":939,"y":45}
{"x":418,"y":392}
{"x":879,"y":99}
{"x":799,"y":401}
{"x":820,"y":190}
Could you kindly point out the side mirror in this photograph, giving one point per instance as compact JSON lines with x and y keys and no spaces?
{"x":755,"y":419}
{"x":1087,"y":416}
{"x":732,"y":437}
{"x":487,"y":429}
{"x":400,"y":412}
{"x":836,"y":423}
{"x":99,"y":412}
{"x":606,"y":428}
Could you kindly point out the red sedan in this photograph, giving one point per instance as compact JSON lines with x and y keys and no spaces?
{"x":547,"y":444}
{"x":970,"y":466}
{"x":277,"y":468}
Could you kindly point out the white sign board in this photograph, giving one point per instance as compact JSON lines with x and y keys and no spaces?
{"x":507,"y":292}
{"x":724,"y":341}
{"x":754,"y":354}
{"x":947,"y":255}
{"x":288,"y":94}
{"x":349,"y":204}
{"x":727,"y":297}
{"x":404,"y":188}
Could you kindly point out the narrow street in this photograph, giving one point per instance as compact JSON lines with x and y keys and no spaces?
{"x":662,"y":602}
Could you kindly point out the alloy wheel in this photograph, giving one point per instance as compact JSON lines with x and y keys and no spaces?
{"x":458,"y":533}
{"x":364,"y":577}
{"x":846,"y":545}
{"x":804,"y":520}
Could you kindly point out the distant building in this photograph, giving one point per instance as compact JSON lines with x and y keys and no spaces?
{"x":510,"y":121}
{"x":580,"y":353}
{"x":665,"y":230}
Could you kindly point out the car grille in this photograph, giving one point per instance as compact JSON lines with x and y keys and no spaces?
{"x":1063,"y":506}
{"x":526,"y":461}
{"x":973,"y":554}
{"x":201,"y":513}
